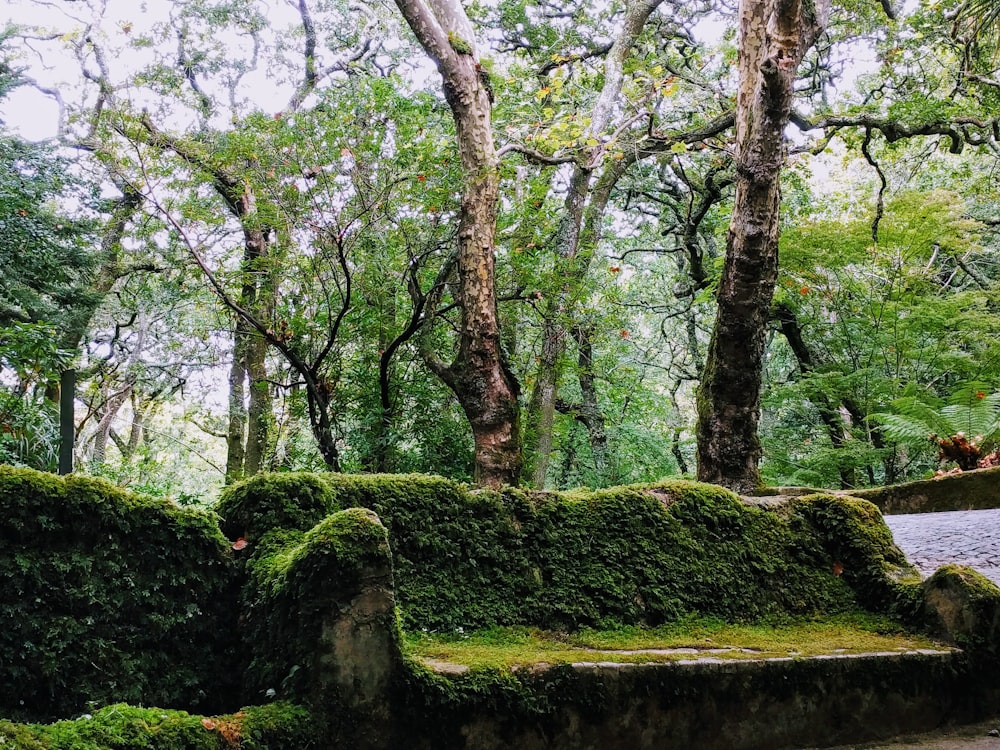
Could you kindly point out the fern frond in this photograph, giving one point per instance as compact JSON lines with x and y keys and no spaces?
{"x":904,"y":428}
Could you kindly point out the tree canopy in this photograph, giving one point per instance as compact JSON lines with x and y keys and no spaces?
{"x":564,"y":244}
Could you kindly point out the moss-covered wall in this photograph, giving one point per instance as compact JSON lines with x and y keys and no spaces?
{"x":641,"y":554}
{"x":732,"y":705}
{"x":109,"y":597}
{"x":968,"y":490}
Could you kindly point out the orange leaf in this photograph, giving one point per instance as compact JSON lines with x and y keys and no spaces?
{"x":838,"y":568}
{"x":208,"y":724}
{"x":804,"y":290}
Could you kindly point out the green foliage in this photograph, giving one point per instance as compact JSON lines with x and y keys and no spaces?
{"x":873,"y":317}
{"x":964,"y":429}
{"x":111,"y":597}
{"x":278,"y":726}
{"x":46,"y":255}
{"x":47,"y":258}
{"x":30,"y":356}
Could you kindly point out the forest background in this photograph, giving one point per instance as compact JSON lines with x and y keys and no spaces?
{"x":270,"y":236}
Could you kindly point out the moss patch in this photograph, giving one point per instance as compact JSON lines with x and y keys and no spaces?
{"x":503,"y":648}
{"x":278,"y":726}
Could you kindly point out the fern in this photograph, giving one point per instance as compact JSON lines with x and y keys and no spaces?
{"x":965,"y":428}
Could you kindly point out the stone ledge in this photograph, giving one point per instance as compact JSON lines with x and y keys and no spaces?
{"x":713,"y":703}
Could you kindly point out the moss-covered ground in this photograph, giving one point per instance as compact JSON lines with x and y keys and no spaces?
{"x":508,"y":647}
{"x":278,"y":726}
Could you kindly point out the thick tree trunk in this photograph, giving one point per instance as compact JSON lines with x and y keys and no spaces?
{"x":774,"y":37}
{"x":485,"y":388}
{"x":479,"y":377}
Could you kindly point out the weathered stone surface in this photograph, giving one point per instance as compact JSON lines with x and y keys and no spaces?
{"x":358,"y":655}
{"x":969,"y":490}
{"x":712,"y":705}
{"x":963,"y":606}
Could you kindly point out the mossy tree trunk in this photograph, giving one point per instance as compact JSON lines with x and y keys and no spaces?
{"x":774,"y":36}
{"x":478,"y":375}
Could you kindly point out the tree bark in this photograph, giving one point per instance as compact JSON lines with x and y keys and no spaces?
{"x":577,"y":238}
{"x":248,"y":431}
{"x":774,"y":36}
{"x":479,"y":376}
{"x":237,"y":414}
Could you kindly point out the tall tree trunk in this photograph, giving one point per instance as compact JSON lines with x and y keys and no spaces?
{"x":237,"y":416}
{"x":577,"y":238}
{"x":774,"y":35}
{"x":250,"y":402}
{"x":590,"y":409}
{"x":479,"y":376}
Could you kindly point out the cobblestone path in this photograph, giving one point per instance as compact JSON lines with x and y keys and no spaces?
{"x":967,"y":537}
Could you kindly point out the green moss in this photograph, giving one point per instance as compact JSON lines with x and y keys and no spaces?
{"x":855,"y":538}
{"x":278,"y":726}
{"x":295,"y":580}
{"x":112,"y":596}
{"x":644,"y":554}
{"x":506,"y":648}
{"x":275,"y":501}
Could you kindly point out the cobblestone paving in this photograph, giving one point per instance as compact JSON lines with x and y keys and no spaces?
{"x":974,"y":737}
{"x":931,"y":540}
{"x":967,"y":537}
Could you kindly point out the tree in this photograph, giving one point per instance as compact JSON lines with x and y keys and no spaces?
{"x":479,"y":374}
{"x":45,"y":289}
{"x":774,"y":36}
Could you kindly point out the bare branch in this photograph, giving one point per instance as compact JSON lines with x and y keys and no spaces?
{"x":536,"y":156}
{"x":959,"y":130}
{"x":883,"y":184}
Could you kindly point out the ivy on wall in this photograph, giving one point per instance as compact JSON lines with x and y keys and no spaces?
{"x":110,"y":597}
